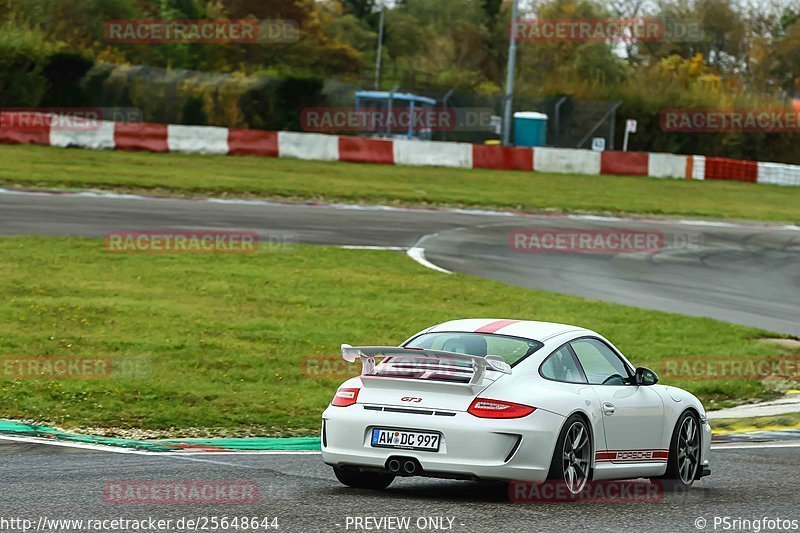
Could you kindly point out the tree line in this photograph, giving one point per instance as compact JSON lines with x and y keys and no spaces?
{"x":55,"y":52}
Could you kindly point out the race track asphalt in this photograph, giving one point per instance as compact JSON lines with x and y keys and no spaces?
{"x":742,"y":273}
{"x":63,"y":483}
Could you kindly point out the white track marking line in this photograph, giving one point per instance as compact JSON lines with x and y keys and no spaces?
{"x":418,"y":254}
{"x":245,"y":452}
{"x":211,"y":461}
{"x":599,"y":218}
{"x":25,"y":193}
{"x":234,"y":201}
{"x":131,"y":451}
{"x":369,"y":247}
{"x":113,"y":196}
{"x":711,"y":223}
{"x":756,"y":445}
{"x":79,"y":445}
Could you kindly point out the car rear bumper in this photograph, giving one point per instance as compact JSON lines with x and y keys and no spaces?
{"x":471,"y":448}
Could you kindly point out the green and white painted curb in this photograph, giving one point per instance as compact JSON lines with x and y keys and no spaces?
{"x":10,"y":427}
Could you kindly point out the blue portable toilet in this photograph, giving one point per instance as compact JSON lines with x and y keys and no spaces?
{"x":530,"y":128}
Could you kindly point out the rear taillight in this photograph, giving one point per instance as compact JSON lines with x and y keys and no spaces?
{"x":485,"y":408}
{"x":345,"y":397}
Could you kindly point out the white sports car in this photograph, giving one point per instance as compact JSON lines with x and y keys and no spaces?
{"x":510,"y":400}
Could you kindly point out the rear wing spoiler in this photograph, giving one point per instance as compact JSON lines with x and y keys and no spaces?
{"x":480,"y":365}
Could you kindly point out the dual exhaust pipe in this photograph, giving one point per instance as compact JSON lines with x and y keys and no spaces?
{"x":403,"y":466}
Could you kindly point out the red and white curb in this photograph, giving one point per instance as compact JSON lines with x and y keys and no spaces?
{"x":37,"y":128}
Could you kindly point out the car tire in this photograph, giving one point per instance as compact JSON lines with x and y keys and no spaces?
{"x":573,"y":452}
{"x":684,"y":454}
{"x":362,"y":480}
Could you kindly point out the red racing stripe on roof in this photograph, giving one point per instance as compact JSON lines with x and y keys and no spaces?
{"x":492,"y":327}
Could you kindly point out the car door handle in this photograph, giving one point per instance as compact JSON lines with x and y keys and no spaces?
{"x":608,"y":408}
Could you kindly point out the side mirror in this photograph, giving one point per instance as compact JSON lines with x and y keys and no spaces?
{"x":645,"y":376}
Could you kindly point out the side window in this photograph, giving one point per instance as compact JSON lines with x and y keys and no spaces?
{"x":600,"y":363}
{"x":560,"y":366}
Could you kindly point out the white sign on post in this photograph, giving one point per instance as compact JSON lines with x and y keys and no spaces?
{"x":630,"y":127}
{"x":599,"y":144}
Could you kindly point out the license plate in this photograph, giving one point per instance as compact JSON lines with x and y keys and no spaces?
{"x":407,"y":440}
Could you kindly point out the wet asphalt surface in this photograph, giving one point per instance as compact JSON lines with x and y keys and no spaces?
{"x":63,"y":483}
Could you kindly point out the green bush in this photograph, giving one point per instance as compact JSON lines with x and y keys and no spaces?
{"x":276,"y":104}
{"x":23,"y":56}
{"x":64,"y":71}
{"x":193,"y":113}
{"x":203,"y":98}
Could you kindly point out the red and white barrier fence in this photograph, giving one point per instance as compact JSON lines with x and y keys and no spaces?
{"x":44,"y":129}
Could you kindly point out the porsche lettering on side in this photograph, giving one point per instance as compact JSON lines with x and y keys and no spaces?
{"x":510,"y":400}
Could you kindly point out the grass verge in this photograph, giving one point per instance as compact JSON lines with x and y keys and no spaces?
{"x":757,"y":423}
{"x":221,"y":342}
{"x":38,"y":166}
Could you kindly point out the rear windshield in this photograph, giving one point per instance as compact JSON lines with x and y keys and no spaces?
{"x":511,"y":349}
